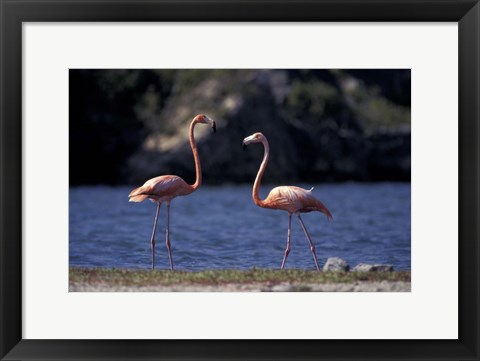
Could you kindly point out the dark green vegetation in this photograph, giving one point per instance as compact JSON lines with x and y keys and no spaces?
{"x":323,"y":125}
{"x":124,"y":277}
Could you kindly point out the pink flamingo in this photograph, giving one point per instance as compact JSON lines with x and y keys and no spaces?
{"x":166,"y":187}
{"x":288,"y":198}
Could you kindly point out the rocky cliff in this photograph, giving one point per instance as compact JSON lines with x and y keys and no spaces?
{"x":322,"y":125}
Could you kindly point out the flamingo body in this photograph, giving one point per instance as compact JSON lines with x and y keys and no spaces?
{"x":294,"y":199}
{"x":161,"y":189}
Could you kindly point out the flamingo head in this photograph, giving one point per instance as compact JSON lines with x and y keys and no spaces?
{"x":254,"y":138}
{"x":202,"y":118}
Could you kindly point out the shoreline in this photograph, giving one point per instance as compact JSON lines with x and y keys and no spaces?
{"x":253,"y":280}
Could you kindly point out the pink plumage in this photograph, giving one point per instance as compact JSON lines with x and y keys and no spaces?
{"x":294,"y":199}
{"x":161,"y":189}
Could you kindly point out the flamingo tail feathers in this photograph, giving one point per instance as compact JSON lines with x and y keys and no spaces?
{"x":321,"y":207}
{"x":137,"y":196}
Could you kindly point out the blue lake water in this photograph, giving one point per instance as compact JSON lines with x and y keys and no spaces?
{"x":220,"y":227}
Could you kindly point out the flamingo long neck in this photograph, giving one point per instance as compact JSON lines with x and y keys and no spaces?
{"x":198,"y":168}
{"x":256,"y":198}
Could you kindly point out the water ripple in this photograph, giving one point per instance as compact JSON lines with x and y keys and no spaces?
{"x":220,"y":227}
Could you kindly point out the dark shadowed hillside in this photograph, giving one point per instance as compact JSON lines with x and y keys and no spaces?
{"x":322,"y":125}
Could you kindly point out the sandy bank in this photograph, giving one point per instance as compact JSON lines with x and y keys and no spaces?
{"x":382,"y":286}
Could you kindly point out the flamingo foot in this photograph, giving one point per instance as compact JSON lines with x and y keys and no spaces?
{"x":153,"y":255}
{"x":170,"y":254}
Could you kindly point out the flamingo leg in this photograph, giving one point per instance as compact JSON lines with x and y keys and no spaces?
{"x":152,"y":241}
{"x":167,"y":241}
{"x":312,"y":247}
{"x":287,"y":250}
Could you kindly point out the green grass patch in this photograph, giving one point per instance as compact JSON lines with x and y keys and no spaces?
{"x":129,"y":277}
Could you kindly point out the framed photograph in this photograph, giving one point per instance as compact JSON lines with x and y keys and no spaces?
{"x":330,"y":127}
{"x":133,"y":226}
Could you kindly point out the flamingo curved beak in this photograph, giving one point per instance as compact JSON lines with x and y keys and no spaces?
{"x":214,"y":126}
{"x":248,"y":140}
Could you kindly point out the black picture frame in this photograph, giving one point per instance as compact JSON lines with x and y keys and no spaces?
{"x":13,"y":13}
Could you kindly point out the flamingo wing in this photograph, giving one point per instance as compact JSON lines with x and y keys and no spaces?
{"x":295,"y":199}
{"x":285,"y":198}
{"x":161,"y":189}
